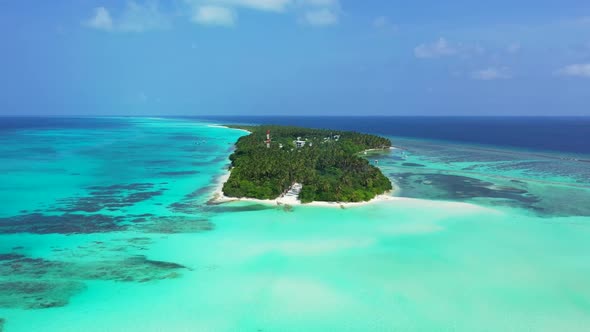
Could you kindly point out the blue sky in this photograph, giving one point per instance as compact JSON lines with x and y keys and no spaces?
{"x":294,"y":57}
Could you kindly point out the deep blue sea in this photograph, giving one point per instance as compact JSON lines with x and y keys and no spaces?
{"x":562,"y":134}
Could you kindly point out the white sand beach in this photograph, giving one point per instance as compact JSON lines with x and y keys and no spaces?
{"x":220,"y":198}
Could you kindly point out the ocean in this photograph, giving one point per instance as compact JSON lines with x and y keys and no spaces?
{"x":559,"y":134}
{"x":105,"y":226}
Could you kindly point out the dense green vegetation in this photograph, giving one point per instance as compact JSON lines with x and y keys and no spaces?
{"x":328,"y":166}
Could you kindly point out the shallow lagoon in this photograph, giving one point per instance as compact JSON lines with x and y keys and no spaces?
{"x":478,"y":240}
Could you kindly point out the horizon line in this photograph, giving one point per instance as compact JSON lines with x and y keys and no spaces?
{"x":291,"y":116}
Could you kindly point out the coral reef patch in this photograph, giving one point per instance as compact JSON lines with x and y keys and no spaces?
{"x":32,"y":294}
{"x":36,"y":283}
{"x":110,"y":197}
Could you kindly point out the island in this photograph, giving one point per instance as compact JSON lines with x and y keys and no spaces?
{"x":313,"y":164}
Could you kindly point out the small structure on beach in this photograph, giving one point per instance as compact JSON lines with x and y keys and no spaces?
{"x":291,"y":196}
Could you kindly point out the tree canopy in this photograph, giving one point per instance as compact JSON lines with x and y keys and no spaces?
{"x":328,"y":165}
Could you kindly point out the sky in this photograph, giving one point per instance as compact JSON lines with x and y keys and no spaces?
{"x":294,"y":57}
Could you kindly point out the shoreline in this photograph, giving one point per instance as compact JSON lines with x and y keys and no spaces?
{"x":226,"y":127}
{"x":220,"y":198}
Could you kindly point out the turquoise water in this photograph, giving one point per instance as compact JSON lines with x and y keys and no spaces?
{"x":107,"y":228}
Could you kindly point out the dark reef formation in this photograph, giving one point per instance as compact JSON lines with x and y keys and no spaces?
{"x":112,"y":197}
{"x":70,"y":223}
{"x":34,"y":294}
{"x":510,"y":193}
{"x":36,"y":283}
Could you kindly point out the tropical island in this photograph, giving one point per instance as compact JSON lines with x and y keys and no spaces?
{"x":320,"y":165}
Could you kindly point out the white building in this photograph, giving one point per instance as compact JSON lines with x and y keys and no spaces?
{"x":299,"y":143}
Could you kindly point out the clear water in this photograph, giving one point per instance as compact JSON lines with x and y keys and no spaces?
{"x":105,"y":226}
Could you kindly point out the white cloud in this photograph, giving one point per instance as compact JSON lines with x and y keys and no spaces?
{"x":214,"y":15}
{"x":491,"y":73}
{"x":321,"y":17}
{"x":101,"y":20}
{"x":319,"y":3}
{"x":383,"y":23}
{"x":513,"y":48}
{"x":439,"y":48}
{"x":135,"y":18}
{"x":138,"y":18}
{"x":263,"y":5}
{"x":576,"y":70}
{"x":143,"y":16}
{"x":312,"y":12}
{"x":380,"y":22}
{"x":444,"y":48}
